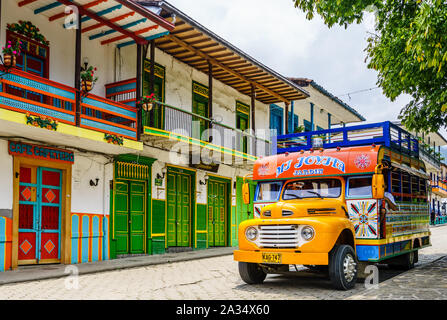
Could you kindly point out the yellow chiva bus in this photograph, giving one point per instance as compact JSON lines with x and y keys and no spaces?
{"x":336,"y":200}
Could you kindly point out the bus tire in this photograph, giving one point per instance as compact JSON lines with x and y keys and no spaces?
{"x":320,"y":268}
{"x":251,"y":273}
{"x":343,"y":267}
{"x":404,"y":262}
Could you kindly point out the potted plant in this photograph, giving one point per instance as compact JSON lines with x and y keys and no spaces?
{"x":146,"y":102}
{"x":299,"y":129}
{"x":88,"y":78}
{"x":10,"y":53}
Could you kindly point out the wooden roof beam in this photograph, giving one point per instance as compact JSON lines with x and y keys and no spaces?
{"x":222,"y":66}
{"x":126,"y":33}
{"x":85,"y":6}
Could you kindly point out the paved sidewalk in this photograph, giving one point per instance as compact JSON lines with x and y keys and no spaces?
{"x":426,"y":282}
{"x":32,"y":273}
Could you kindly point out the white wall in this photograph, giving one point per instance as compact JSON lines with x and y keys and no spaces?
{"x":165,"y":158}
{"x":87,"y":198}
{"x":62,"y":47}
{"x":110,"y":69}
{"x":178,"y":88}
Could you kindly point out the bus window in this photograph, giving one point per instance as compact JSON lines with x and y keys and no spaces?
{"x":268,"y":191}
{"x":360,"y":187}
{"x":318,"y":188}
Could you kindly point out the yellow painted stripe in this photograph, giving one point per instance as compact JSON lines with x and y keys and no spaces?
{"x":64,"y":128}
{"x":390,"y":240}
{"x":203,"y":144}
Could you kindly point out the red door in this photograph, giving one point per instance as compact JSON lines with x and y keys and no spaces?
{"x":40,"y":192}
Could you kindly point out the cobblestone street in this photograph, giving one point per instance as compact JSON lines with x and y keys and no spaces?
{"x":218,"y":278}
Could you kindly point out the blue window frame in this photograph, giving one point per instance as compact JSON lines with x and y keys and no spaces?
{"x":277,"y":119}
{"x":307,"y":126}
{"x":359,"y":187}
{"x":295,"y":122}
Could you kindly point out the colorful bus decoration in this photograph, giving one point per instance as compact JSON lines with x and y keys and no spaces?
{"x":360,"y":198}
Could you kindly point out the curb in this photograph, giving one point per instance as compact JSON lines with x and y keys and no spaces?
{"x":36,"y":273}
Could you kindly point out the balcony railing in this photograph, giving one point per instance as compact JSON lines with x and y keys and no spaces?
{"x":430,"y":155}
{"x":27,"y":93}
{"x":384,"y":133}
{"x":172,"y":119}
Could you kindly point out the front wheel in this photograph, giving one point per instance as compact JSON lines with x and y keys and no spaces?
{"x":251,"y":273}
{"x":343,"y":267}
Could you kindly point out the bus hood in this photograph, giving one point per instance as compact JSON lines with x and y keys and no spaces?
{"x":304,"y":208}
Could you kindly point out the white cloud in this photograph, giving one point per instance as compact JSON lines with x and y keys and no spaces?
{"x":279,"y":36}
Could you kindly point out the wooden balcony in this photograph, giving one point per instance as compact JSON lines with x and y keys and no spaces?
{"x":30,"y":94}
{"x":166,"y":125}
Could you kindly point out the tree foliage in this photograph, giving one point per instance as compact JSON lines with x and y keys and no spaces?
{"x":408,"y":50}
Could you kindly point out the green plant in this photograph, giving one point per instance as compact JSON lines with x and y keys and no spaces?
{"x":42,"y":122}
{"x":111,"y":138}
{"x":299,"y":129}
{"x":12,"y":49}
{"x":28,"y":29}
{"x":89,"y":74}
{"x":147,"y":99}
{"x":407,"y":49}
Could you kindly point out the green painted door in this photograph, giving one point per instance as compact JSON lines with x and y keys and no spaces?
{"x":242,"y":123}
{"x":137,"y":216}
{"x":178,"y":209}
{"x":217,"y":209}
{"x":200,"y":107}
{"x":154,"y":118}
{"x":130,"y":216}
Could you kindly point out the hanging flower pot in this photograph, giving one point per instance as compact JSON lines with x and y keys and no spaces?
{"x":9,"y":60}
{"x":147,"y":102}
{"x":10,"y":53}
{"x":147,"y":106}
{"x":88,"y":78}
{"x":86,"y":85}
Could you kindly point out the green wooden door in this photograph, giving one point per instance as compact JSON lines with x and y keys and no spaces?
{"x":122,"y":216}
{"x":242,"y":123}
{"x":217,"y":209}
{"x":130,"y":216}
{"x":178,"y":209}
{"x":200,"y":107}
{"x":137,"y":215}
{"x":154,"y":118}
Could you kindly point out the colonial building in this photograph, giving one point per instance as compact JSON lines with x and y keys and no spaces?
{"x":93,"y":173}
{"x":430,"y":152}
{"x":319,"y":111}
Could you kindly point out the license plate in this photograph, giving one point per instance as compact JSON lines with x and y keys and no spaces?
{"x":271,"y":257}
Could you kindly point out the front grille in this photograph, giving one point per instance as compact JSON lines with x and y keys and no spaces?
{"x":321,"y":210}
{"x":278,"y":236}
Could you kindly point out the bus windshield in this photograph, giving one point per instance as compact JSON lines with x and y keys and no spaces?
{"x":317,"y":188}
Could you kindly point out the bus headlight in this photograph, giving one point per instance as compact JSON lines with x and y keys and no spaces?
{"x":251,"y":233}
{"x":307,"y":233}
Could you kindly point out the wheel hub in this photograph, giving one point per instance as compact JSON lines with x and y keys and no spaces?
{"x":349,"y":267}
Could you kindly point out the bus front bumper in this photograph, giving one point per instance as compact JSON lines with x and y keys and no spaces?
{"x":286,"y":257}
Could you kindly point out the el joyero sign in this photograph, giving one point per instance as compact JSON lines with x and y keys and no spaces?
{"x":40,"y":152}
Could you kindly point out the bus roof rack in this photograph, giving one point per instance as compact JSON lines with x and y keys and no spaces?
{"x":382,"y":133}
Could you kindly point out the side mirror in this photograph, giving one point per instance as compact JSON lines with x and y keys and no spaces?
{"x":246,"y":193}
{"x":378,"y":186}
